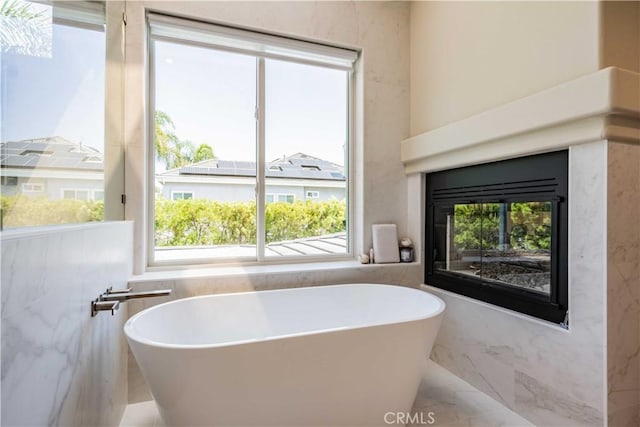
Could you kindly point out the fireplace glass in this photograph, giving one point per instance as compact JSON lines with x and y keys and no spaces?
{"x":505,"y":243}
{"x":498,"y":232}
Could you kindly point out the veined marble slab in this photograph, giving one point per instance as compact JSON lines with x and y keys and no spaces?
{"x":60,"y":366}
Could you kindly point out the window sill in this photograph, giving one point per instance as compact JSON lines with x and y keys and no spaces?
{"x":227,"y":271}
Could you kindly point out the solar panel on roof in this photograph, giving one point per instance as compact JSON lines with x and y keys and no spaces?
{"x":52,"y":152}
{"x":20,"y":161}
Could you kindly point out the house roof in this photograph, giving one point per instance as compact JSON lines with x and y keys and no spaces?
{"x":297,"y":166}
{"x":52,"y":153}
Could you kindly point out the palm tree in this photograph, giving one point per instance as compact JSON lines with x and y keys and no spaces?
{"x":204,"y":152}
{"x":165,"y":138}
{"x":172,"y":151}
{"x":24,"y":30}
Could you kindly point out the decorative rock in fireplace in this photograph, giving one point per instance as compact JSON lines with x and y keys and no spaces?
{"x":590,"y":373}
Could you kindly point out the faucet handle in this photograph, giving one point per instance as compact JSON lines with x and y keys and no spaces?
{"x":114,"y":307}
{"x":97,"y":306}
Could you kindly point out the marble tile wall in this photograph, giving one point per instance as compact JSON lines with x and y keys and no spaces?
{"x":623,"y":290}
{"x":60,"y":366}
{"x":399,"y":274}
{"x":548,"y":375}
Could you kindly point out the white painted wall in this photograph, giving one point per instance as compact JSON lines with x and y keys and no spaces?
{"x":54,"y":187}
{"x":467,"y":57}
{"x":246,"y":192}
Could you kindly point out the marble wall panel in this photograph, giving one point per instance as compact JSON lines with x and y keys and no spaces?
{"x":623,"y":291}
{"x":60,"y":366}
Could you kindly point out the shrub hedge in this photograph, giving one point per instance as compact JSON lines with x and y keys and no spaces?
{"x":206,"y":222}
{"x":191,"y":222}
{"x":21,"y":211}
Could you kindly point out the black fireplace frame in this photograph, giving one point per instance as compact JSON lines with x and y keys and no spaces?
{"x":542,"y":177}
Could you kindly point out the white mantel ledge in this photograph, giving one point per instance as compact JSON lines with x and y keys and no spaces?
{"x":604,"y":105}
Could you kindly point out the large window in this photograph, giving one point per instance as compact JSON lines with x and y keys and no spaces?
{"x":53,"y":109}
{"x":244,"y":123}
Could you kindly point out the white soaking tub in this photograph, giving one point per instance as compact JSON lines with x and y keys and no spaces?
{"x":329,"y":355}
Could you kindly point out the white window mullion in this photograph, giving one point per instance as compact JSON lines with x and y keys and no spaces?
{"x":151,"y":164}
{"x":261,"y":159}
{"x":350,"y":162}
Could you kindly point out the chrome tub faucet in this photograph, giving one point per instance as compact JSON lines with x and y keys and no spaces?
{"x":110,"y":300}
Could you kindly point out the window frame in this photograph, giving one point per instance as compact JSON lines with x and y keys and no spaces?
{"x":91,"y":194}
{"x":285,"y":196}
{"x":75,"y":193}
{"x":261,"y":163}
{"x":29,"y":188}
{"x":174,"y":192}
{"x":9,"y":180}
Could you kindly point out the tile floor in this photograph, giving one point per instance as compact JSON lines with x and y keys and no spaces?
{"x":451,"y":401}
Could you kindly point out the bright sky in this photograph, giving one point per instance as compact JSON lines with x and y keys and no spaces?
{"x":210,"y":96}
{"x":60,"y":95}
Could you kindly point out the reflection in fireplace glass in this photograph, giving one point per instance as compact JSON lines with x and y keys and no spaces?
{"x":504,"y":243}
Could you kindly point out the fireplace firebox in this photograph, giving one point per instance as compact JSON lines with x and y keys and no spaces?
{"x":497,"y":232}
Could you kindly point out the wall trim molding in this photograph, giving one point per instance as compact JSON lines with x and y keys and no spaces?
{"x":599,"y":106}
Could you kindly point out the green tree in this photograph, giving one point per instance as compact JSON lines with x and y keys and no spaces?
{"x":477,"y":225}
{"x":172,"y":151}
{"x":203,"y":152}
{"x":532,"y":225}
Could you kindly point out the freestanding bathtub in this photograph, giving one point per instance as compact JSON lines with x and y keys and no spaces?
{"x":328,"y":355}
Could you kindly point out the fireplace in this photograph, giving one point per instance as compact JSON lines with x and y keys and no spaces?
{"x":497,"y":232}
{"x":588,"y":376}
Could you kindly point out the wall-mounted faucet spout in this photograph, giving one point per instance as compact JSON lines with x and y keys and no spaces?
{"x":110,"y":300}
{"x":127,"y":295}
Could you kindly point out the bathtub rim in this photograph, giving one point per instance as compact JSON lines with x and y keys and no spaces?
{"x":131,"y":336}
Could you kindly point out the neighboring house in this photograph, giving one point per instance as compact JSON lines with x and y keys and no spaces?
{"x":56,"y":168}
{"x":290,"y":178}
{"x":51,"y":167}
